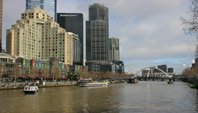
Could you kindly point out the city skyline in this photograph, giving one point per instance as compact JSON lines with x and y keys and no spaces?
{"x":148,"y":36}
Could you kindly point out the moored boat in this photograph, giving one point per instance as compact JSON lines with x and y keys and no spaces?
{"x":170,"y":82}
{"x":95,"y":84}
{"x":132,"y":80}
{"x":91,"y":83}
{"x":30,"y":89}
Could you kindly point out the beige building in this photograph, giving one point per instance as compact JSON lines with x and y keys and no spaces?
{"x":1,"y":16}
{"x":37,"y":36}
{"x":69,"y":48}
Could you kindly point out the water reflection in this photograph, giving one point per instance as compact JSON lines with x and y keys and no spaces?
{"x":197,"y":100}
{"x":144,"y":97}
{"x":99,"y":100}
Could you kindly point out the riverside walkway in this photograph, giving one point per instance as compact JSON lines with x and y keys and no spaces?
{"x":20,"y":85}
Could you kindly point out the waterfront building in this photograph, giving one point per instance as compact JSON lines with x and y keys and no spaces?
{"x":41,"y":68}
{"x":1,"y":16}
{"x":69,"y":48}
{"x":119,"y":66}
{"x":76,"y":48}
{"x":99,"y":66}
{"x":48,"y":5}
{"x":163,"y":67}
{"x":114,"y":49}
{"x":73,"y":22}
{"x":97,"y":34}
{"x":37,"y":36}
{"x":170,"y":70}
{"x":6,"y":58}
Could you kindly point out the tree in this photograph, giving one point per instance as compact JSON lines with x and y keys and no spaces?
{"x":55,"y":72}
{"x":16,"y":72}
{"x":191,"y":24}
{"x":45,"y":73}
{"x":1,"y":69}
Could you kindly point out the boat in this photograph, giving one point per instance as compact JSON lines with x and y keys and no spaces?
{"x":91,"y":83}
{"x":95,"y":84}
{"x":28,"y":89}
{"x":170,"y":82}
{"x":132,"y":80}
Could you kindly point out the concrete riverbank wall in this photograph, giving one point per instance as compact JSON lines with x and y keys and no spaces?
{"x":20,"y":85}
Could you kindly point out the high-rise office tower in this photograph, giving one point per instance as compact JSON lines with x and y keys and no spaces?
{"x":49,"y":5}
{"x":73,"y":22}
{"x":97,"y":33}
{"x":1,"y":15}
{"x":114,"y":49}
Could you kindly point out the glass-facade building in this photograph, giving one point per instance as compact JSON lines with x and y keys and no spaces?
{"x":49,"y":5}
{"x":114,"y":49}
{"x":97,"y":33}
{"x":73,"y":22}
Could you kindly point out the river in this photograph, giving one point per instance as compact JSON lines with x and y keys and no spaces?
{"x":144,"y":97}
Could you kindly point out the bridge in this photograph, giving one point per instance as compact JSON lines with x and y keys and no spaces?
{"x":152,"y":73}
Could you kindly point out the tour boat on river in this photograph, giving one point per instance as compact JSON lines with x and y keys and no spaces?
{"x":91,"y":83}
{"x":30,"y":89}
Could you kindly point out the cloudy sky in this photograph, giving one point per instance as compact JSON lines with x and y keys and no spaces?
{"x":150,"y":31}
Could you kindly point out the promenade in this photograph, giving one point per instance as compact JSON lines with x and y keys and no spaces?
{"x":20,"y":85}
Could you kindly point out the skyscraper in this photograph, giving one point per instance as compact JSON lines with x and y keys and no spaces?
{"x":73,"y":22}
{"x":97,"y":33}
{"x":49,"y":5}
{"x":1,"y":15}
{"x":114,"y":49}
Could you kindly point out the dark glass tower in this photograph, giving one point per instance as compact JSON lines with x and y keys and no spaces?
{"x":97,"y":33}
{"x":49,"y":5}
{"x":72,"y":22}
{"x":1,"y":15}
{"x":114,"y":49}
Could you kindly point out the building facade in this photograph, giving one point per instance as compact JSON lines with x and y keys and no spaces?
{"x":73,"y":22}
{"x":1,"y":16}
{"x":37,"y":36}
{"x":163,"y":67}
{"x":76,"y":49}
{"x":114,"y":49}
{"x":170,"y":70}
{"x":97,"y":33}
{"x":48,"y":5}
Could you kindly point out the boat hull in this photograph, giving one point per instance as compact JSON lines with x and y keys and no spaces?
{"x":29,"y":92}
{"x":170,"y":82}
{"x":94,"y":85}
{"x":132,"y":81}
{"x":30,"y":89}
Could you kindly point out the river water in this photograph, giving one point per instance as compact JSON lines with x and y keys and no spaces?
{"x":144,"y":97}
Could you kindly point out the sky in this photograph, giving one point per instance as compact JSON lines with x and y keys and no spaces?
{"x":150,"y":31}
